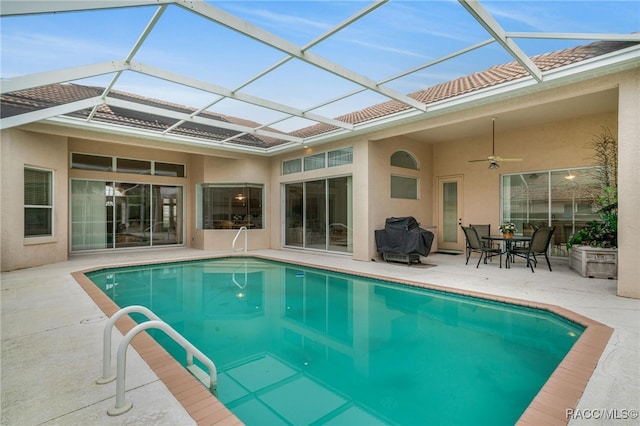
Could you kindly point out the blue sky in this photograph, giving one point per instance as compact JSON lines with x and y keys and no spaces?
{"x":397,"y":36}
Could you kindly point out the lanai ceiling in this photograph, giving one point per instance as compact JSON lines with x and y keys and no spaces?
{"x":284,"y":85}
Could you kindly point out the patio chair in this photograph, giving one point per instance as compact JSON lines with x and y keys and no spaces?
{"x":483,"y":231}
{"x":539,"y":244}
{"x":475,"y":245}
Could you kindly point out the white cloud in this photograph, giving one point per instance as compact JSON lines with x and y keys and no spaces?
{"x":388,"y":49}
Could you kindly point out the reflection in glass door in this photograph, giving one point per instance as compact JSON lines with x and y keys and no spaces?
{"x":318,"y":214}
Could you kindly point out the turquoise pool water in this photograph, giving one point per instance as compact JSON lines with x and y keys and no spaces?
{"x":304,"y":346}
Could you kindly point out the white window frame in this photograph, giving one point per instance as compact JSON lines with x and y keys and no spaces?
{"x":49,"y":207}
{"x":412,"y":178}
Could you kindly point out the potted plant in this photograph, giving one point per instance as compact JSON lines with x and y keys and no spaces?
{"x":507,"y":229}
{"x":593,"y":249}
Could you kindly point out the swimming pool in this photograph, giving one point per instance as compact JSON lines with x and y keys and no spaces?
{"x":302,"y":345}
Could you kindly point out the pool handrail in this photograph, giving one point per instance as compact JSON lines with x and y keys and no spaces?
{"x":121,"y":405}
{"x":107,"y":377}
{"x":233,"y":245}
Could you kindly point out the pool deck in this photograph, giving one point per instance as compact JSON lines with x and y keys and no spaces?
{"x":52,"y":326}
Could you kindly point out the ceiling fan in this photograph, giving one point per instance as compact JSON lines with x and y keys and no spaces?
{"x":494,"y":159}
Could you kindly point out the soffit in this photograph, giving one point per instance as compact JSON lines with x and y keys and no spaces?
{"x":530,"y":116}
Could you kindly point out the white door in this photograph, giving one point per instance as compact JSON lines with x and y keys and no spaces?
{"x":450,"y":236}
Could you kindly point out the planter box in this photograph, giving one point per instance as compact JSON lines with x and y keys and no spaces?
{"x":594,"y":262}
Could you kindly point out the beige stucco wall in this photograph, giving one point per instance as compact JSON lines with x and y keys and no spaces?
{"x":20,"y":149}
{"x":629,"y":187}
{"x":380,"y":171}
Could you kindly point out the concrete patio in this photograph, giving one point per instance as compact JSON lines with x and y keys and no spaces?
{"x":52,"y":335}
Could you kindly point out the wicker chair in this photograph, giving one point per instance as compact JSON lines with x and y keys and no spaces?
{"x":539,"y":244}
{"x":476,"y":245}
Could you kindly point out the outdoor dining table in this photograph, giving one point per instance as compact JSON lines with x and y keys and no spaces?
{"x":508,"y":244}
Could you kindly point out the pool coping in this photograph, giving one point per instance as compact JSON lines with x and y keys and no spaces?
{"x":553,"y":404}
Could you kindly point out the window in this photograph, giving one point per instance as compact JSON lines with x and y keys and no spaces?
{"x":140,"y":167}
{"x":566,"y":199}
{"x":404,"y":187}
{"x":231,"y":206}
{"x":38,"y":203}
{"x":125,"y":165}
{"x":168,"y":169}
{"x":292,"y":166}
{"x":340,"y":157}
{"x":404,"y":159}
{"x":91,"y":162}
{"x":335,"y":158}
{"x":314,"y":162}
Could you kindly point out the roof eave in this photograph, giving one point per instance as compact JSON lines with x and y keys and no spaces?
{"x":609,"y":63}
{"x":110,"y":128}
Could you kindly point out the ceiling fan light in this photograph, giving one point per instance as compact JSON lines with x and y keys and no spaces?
{"x":493,"y":166}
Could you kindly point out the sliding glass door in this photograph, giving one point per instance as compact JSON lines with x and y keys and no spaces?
{"x":318,"y":214}
{"x":108,"y":215}
{"x":566,"y":199}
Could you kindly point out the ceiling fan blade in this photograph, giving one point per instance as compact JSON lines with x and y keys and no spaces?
{"x":500,"y":159}
{"x":493,"y":138}
{"x":476,"y":161}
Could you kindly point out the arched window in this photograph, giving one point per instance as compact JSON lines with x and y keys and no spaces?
{"x":404,"y":159}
